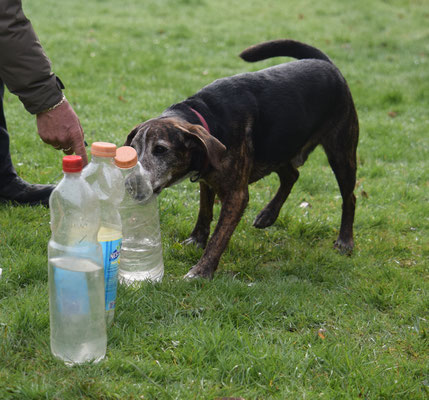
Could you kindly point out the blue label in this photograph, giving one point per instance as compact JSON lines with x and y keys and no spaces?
{"x":111,"y":256}
{"x":72,"y":291}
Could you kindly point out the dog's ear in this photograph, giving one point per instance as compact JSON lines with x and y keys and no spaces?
{"x":131,"y":135}
{"x":213,"y":148}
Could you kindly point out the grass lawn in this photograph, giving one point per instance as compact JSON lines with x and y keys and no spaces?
{"x":286,"y":316}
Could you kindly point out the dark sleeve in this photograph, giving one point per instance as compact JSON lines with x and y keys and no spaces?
{"x":24,"y":66}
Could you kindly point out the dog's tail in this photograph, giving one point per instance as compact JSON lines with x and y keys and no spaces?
{"x":282,"y":48}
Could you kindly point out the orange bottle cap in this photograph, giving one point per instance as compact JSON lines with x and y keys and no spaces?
{"x":103,"y":149}
{"x":126,"y":157}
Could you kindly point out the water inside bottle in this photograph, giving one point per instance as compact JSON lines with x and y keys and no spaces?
{"x":76,"y":310}
{"x":141,"y":262}
{"x":141,"y":253}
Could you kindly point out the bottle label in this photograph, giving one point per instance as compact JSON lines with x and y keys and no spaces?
{"x":72,"y":296}
{"x":111,"y":256}
{"x":72,"y":292}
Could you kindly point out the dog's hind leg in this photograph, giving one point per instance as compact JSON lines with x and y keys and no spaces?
{"x":201,"y":231}
{"x":342,"y":158}
{"x":288,"y":175}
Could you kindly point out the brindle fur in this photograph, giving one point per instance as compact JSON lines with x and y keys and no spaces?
{"x":260,"y":122}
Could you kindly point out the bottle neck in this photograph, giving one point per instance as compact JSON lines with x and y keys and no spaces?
{"x":127,"y":171}
{"x":101,"y":160}
{"x":72,"y":175}
{"x":128,"y":168}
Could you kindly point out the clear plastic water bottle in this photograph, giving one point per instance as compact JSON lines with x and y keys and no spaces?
{"x":106,"y":181}
{"x":141,"y":254}
{"x":76,"y":280}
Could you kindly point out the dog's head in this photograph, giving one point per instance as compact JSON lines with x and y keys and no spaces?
{"x":171,"y":149}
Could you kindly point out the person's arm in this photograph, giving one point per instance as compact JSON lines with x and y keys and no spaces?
{"x":24,"y":67}
{"x":26,"y":71}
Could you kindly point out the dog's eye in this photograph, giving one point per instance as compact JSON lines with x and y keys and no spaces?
{"x":158,"y":149}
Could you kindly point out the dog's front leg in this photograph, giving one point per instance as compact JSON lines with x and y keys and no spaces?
{"x":201,"y":232}
{"x":233,"y":206}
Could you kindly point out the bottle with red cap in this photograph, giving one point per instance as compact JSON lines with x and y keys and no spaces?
{"x":141,"y":254}
{"x":75,"y":268}
{"x":106,"y":181}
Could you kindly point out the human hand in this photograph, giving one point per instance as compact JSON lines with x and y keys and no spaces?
{"x":60,"y":127}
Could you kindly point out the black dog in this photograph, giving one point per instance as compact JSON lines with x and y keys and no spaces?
{"x":239,"y":129}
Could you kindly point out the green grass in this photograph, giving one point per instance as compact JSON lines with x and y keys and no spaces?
{"x":285,"y":316}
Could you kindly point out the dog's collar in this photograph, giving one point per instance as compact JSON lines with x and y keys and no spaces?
{"x":202,"y":120}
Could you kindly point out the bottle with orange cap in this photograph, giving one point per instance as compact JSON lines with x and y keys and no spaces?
{"x":141,"y":254}
{"x":75,"y":270}
{"x":106,"y":181}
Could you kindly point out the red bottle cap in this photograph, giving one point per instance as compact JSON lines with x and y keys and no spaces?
{"x":72,"y":163}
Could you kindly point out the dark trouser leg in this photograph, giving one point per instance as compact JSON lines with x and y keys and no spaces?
{"x":7,"y":172}
{"x":13,"y":188}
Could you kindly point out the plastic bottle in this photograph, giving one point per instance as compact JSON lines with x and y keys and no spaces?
{"x":106,"y":181}
{"x":76,"y":281}
{"x":141,"y":256}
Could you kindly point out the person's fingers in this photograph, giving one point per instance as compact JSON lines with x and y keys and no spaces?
{"x":61,"y":128}
{"x":79,"y":147}
{"x":69,"y":151}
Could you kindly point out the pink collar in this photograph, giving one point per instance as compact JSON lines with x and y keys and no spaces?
{"x":202,"y":120}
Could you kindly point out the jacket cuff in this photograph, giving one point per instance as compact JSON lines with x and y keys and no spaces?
{"x":42,"y":95}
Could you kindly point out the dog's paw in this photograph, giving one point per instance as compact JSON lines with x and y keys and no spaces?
{"x":197,"y":272}
{"x":344,"y":246}
{"x":264,"y":219}
{"x":192,"y":240}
